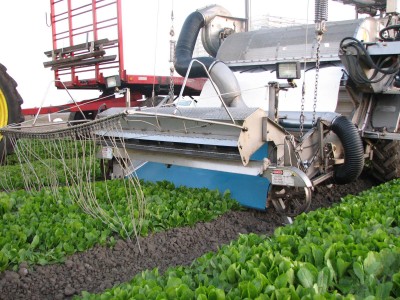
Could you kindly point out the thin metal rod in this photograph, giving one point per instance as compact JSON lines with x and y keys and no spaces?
{"x":44,"y":98}
{"x":144,"y":113}
{"x":53,"y":132}
{"x":49,"y":124}
{"x":212,"y":83}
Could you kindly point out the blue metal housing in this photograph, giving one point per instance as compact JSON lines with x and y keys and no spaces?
{"x":249,"y":191}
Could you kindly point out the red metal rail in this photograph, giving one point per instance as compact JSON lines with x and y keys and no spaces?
{"x":88,"y":46}
{"x":193,"y":86}
{"x":76,"y":25}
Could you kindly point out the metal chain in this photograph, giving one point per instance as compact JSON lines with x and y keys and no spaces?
{"x":302,"y":118}
{"x":172,"y":59}
{"x":317,"y":67}
{"x":320,"y":29}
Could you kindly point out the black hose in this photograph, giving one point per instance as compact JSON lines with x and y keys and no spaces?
{"x":396,"y":27}
{"x":185,"y":46}
{"x":353,"y":151}
{"x":355,"y":69}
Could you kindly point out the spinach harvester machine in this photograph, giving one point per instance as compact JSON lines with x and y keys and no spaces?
{"x":283,"y":109}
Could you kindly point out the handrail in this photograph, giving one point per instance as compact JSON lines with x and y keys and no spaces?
{"x":212,"y":83}
{"x":44,"y":98}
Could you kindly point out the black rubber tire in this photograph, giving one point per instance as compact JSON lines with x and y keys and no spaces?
{"x":385,"y":164}
{"x":13,"y":101}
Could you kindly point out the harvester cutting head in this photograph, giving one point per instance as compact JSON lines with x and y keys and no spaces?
{"x":234,"y":141}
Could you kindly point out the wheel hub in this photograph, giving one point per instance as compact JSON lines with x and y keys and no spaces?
{"x":290,"y":201}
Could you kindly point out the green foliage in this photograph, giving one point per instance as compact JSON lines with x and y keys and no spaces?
{"x":41,"y":163}
{"x":350,"y":251}
{"x":38,"y":228}
{"x":36,"y":174}
{"x":172,"y":206}
{"x":41,"y":149}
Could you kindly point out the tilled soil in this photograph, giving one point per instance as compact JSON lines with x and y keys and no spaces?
{"x":100,"y":268}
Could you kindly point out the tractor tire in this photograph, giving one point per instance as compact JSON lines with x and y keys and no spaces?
{"x":385,"y":164}
{"x":10,"y":108}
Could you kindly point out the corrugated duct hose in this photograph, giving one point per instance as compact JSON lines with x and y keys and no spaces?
{"x":353,"y":151}
{"x":341,"y":126}
{"x":185,"y":45}
{"x":220,"y":73}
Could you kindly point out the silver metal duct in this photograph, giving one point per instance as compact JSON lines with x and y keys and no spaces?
{"x":210,"y":33}
{"x":220,"y":74}
{"x":266,"y":47}
{"x":227,"y":84}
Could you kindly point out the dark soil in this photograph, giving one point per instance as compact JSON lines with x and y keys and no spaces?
{"x":101,"y":267}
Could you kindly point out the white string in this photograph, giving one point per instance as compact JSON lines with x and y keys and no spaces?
{"x":75,"y":150}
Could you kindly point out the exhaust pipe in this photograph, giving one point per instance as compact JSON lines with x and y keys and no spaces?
{"x":219,"y":72}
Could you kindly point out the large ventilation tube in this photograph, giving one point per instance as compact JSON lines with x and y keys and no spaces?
{"x":353,"y":151}
{"x":222,"y":76}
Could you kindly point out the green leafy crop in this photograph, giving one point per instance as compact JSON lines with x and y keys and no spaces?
{"x":350,"y":251}
{"x":38,"y":228}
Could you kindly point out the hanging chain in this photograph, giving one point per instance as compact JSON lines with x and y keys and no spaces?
{"x":172,"y":44}
{"x":317,"y":67}
{"x":320,"y":28}
{"x":319,"y":32}
{"x":303,"y":94}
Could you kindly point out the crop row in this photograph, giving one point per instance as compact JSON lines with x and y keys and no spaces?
{"x":39,"y":228}
{"x":48,"y":172}
{"x":41,"y":163}
{"x":349,"y":251}
{"x":34,"y":149}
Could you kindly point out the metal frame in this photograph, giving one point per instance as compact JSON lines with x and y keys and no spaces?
{"x":67,"y":76}
{"x":61,"y":15}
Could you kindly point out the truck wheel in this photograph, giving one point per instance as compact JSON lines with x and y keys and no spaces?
{"x":386,"y":161}
{"x":10,"y":108}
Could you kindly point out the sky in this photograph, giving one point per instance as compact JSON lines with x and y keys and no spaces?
{"x":146,"y":26}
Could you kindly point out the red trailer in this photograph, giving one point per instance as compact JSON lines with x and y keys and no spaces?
{"x":88,"y":54}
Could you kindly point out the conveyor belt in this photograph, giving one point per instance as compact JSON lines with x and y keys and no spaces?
{"x":202,"y":132}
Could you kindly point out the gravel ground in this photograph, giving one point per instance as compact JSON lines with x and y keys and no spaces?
{"x":101,"y":267}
